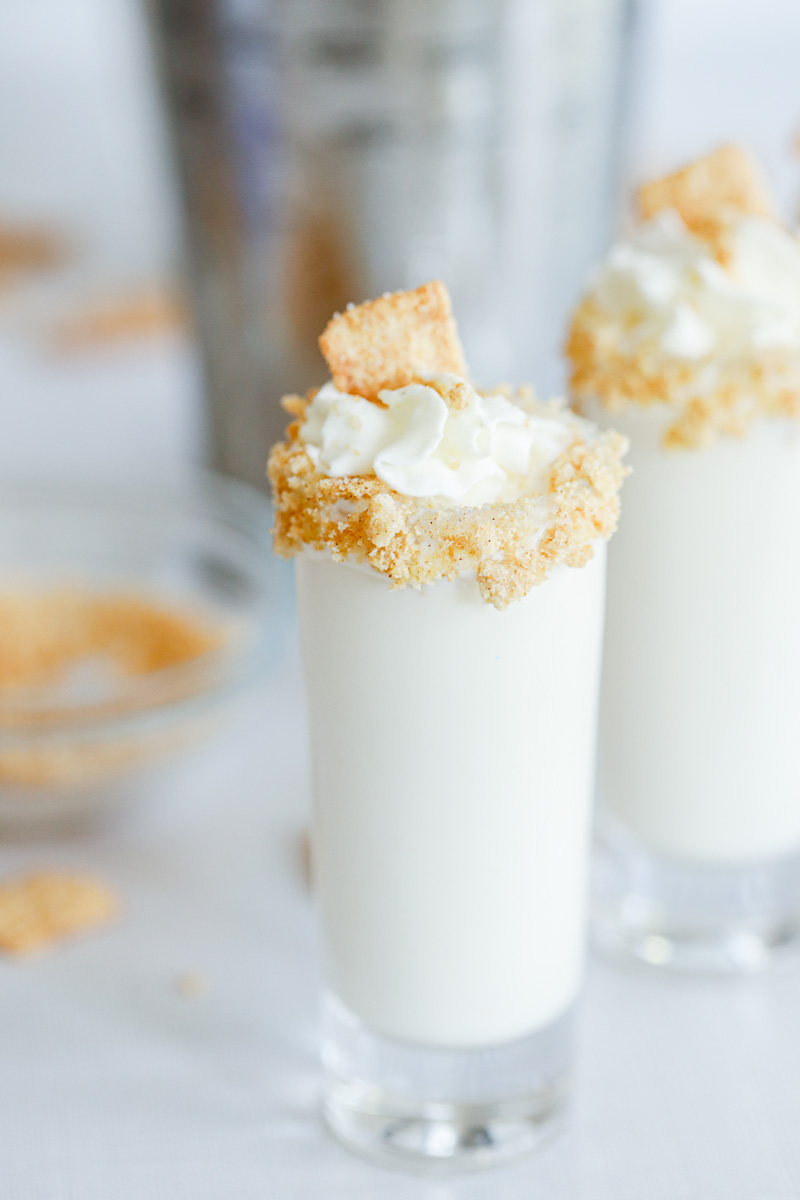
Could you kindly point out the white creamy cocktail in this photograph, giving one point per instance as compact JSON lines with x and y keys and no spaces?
{"x":451,"y":839}
{"x":450,"y":568}
{"x":689,"y":342}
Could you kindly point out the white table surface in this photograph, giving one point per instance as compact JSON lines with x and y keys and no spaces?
{"x":114,"y":1086}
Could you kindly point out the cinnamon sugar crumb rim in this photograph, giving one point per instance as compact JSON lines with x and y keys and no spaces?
{"x":697,"y":415}
{"x":510,"y":546}
{"x":709,"y":195}
{"x":411,"y":337}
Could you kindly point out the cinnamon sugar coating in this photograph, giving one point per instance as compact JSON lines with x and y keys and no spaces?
{"x":604,"y":368}
{"x":701,"y":399}
{"x":413,"y":541}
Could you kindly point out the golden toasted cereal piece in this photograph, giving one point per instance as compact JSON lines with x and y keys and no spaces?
{"x":40,"y":909}
{"x":392,"y":341}
{"x":705,"y":192}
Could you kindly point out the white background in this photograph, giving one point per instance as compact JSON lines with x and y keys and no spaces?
{"x":82,"y":148}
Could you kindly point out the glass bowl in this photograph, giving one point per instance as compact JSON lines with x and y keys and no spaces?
{"x":95,"y":734}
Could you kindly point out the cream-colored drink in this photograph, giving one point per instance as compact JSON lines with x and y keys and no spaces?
{"x":451,"y":839}
{"x":450,"y":569}
{"x":688,"y":341}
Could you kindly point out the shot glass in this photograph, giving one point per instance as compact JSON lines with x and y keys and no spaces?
{"x":698,"y":862}
{"x":453,"y":751}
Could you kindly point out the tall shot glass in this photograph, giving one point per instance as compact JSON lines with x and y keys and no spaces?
{"x":698,"y":864}
{"x":453,"y":750}
{"x":687,"y":340}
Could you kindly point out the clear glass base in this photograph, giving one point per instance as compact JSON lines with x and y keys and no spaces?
{"x":441,"y":1111}
{"x":692,"y":917}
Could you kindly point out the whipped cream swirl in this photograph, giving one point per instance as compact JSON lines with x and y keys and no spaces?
{"x":490,"y":448}
{"x":665,"y":285}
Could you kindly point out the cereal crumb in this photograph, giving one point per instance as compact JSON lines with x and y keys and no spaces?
{"x":42,"y":908}
{"x":191,"y":984}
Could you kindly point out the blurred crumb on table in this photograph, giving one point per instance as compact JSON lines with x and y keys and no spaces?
{"x":42,"y":908}
{"x":29,"y":248}
{"x":146,"y":313}
{"x":191,"y":984}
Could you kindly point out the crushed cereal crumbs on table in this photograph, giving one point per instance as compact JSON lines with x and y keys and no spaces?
{"x":43,"y":908}
{"x":191,"y":985}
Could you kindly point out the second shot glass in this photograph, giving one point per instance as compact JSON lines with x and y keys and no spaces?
{"x":688,"y":340}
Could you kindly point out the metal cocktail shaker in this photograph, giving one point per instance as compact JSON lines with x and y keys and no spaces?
{"x":331,"y":150}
